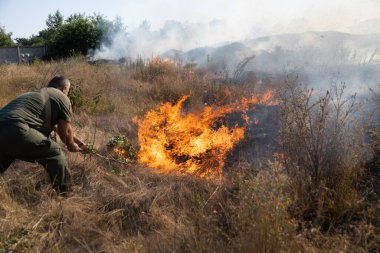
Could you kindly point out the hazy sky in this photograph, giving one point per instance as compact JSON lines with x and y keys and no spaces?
{"x":241,"y":17}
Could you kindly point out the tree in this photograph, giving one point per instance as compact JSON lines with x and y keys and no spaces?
{"x":107,"y":28}
{"x":54,"y":21}
{"x":79,"y":34}
{"x":76,"y":36}
{"x":34,"y":40}
{"x":5,"y":38}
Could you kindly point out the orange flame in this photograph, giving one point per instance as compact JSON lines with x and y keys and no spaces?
{"x":279,"y":157}
{"x":171,"y":141}
{"x":119,"y":152}
{"x":159,"y":60}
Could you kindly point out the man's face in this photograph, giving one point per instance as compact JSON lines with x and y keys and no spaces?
{"x":66,"y":89}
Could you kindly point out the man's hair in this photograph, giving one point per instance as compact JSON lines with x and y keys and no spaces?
{"x":58,"y":82}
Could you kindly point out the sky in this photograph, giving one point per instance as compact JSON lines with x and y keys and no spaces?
{"x":241,"y":18}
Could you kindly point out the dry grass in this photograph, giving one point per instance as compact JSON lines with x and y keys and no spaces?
{"x":129,"y":208}
{"x":137,"y":210}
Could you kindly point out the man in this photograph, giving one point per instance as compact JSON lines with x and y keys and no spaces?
{"x":25,"y":127}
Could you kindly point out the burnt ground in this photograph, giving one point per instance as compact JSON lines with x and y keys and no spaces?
{"x":261,"y":139}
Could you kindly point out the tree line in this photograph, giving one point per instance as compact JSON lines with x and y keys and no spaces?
{"x":75,"y":35}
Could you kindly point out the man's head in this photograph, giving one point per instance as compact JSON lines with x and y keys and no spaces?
{"x":61,"y":83}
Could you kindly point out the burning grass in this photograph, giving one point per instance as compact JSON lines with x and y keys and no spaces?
{"x":310,"y":198}
{"x":191,"y":143}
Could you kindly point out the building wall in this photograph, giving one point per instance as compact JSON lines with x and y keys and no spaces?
{"x":20,"y":54}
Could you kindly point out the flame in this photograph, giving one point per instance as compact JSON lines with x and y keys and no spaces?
{"x":119,"y":152}
{"x":191,"y":143}
{"x":159,"y":60}
{"x":279,"y":157}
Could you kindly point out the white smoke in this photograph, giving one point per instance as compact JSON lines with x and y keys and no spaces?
{"x":320,"y":57}
{"x":145,"y":42}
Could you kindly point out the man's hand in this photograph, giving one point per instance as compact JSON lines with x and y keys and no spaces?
{"x":74,"y":147}
{"x":81,"y":144}
{"x":83,"y":147}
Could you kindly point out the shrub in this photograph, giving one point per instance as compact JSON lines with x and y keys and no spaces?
{"x":322,"y":138}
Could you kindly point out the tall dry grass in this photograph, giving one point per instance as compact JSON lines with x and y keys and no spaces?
{"x":310,"y":203}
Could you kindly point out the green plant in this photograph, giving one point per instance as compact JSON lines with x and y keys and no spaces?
{"x":76,"y":94}
{"x":5,"y":38}
{"x":16,"y":242}
{"x":79,"y":99}
{"x":122,"y":149}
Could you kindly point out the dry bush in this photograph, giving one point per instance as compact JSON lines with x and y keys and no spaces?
{"x":322,"y":137}
{"x":155,"y":70}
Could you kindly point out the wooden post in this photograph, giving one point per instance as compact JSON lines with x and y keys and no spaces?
{"x":18,"y":55}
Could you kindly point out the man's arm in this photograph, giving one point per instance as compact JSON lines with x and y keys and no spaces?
{"x":65,"y":132}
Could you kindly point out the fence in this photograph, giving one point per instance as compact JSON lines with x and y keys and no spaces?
{"x":20,"y":54}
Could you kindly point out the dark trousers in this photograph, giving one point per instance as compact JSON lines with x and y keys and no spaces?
{"x":27,"y":144}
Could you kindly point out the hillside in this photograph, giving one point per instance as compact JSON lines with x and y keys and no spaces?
{"x":317,"y":57}
{"x":360,"y":46}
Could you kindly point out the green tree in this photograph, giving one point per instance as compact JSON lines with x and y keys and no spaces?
{"x":76,"y":36}
{"x":54,"y":21}
{"x":5,"y":38}
{"x":34,"y":40}
{"x":108,"y":28}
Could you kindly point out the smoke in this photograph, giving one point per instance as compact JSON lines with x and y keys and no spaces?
{"x":320,"y":59}
{"x":184,"y":25}
{"x":145,"y":42}
{"x":280,"y":46}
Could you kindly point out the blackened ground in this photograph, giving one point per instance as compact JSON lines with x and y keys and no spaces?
{"x":260,"y":140}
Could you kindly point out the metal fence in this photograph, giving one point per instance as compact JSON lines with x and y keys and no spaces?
{"x":20,"y":54}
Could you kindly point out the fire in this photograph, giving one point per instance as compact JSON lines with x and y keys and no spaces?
{"x":159,"y":60}
{"x":279,"y":156}
{"x":191,"y":143}
{"x":119,"y":152}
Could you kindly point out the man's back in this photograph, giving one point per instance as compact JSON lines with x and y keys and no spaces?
{"x":35,"y":108}
{"x":25,"y":125}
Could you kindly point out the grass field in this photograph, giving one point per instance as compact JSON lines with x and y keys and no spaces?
{"x":317,"y":195}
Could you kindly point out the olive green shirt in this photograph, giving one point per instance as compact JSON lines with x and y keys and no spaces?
{"x":40,"y":110}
